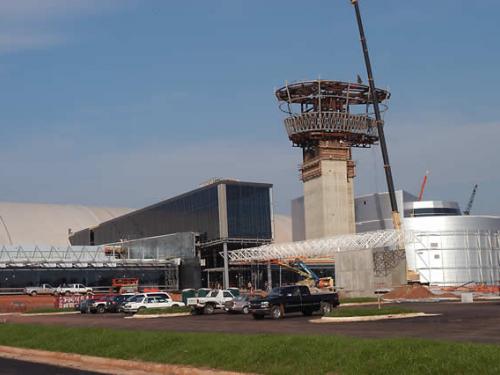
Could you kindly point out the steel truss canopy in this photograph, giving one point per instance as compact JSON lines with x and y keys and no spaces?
{"x":323,"y":247}
{"x":54,"y":256}
{"x":44,"y":256}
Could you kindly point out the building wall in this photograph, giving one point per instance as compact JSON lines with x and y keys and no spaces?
{"x":373,"y":211}
{"x":176,"y":245}
{"x":248,"y":211}
{"x":245,"y":214}
{"x":329,"y":201}
{"x":298,"y":220}
{"x":48,"y":224}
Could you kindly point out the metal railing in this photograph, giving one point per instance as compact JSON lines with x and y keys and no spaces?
{"x":335,"y":122}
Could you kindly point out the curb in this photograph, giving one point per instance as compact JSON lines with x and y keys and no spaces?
{"x":103,"y":365}
{"x":360,"y":303}
{"x":345,"y":319}
{"x":51,"y":313}
{"x":152,"y":316}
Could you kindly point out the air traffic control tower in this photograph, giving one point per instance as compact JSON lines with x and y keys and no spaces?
{"x":326,"y":119}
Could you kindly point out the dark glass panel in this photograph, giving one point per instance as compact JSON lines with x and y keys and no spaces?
{"x":248,"y":211}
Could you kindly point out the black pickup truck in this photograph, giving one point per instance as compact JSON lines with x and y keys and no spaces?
{"x":296,"y":298}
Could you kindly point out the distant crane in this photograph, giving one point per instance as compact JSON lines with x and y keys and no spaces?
{"x":471,"y":201}
{"x":422,"y":187}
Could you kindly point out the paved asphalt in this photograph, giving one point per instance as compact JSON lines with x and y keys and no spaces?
{"x":14,"y":367}
{"x":478,"y":322}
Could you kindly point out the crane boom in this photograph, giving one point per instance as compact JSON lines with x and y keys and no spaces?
{"x":471,"y":201}
{"x":396,"y":219}
{"x":422,"y":188}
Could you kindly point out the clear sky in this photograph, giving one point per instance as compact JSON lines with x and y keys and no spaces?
{"x":124,"y":102}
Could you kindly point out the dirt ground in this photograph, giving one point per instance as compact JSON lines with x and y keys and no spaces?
{"x":21,"y":303}
{"x":478,"y":322}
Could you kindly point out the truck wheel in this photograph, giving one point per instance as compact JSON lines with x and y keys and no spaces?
{"x":175,"y":305}
{"x":209,"y":309}
{"x":277,"y":312}
{"x":326,"y":308}
{"x":258,"y":316}
{"x":101,"y":309}
{"x":67,"y":293}
{"x":33,"y":294}
{"x":246,"y":310}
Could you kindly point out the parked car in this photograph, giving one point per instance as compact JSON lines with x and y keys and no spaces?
{"x":84,"y":306}
{"x":149,"y":300}
{"x":216,"y":299}
{"x":100,"y":304}
{"x":240,"y":304}
{"x":42,"y":289}
{"x":72,"y":289}
{"x":295,"y":298}
{"x":116,"y":303}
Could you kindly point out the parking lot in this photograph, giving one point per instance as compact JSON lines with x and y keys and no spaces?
{"x":478,"y":322}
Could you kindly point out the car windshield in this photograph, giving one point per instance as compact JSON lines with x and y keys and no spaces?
{"x":214,"y":293}
{"x":276,"y":292}
{"x":138,"y":298}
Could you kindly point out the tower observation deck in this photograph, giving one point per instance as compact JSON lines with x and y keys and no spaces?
{"x":326,"y":119}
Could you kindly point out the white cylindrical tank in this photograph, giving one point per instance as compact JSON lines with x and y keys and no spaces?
{"x":454,"y":250}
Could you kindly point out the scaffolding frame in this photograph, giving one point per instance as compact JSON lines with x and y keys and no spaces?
{"x":322,"y":247}
{"x":45,"y":256}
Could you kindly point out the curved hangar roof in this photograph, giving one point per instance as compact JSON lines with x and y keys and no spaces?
{"x":48,"y":224}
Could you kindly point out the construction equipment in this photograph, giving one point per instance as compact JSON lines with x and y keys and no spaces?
{"x":471,"y":201}
{"x":311,"y":279}
{"x":422,"y":187}
{"x":125,"y":285}
{"x":396,"y":219}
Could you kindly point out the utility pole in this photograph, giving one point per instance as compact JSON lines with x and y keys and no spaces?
{"x":396,"y":220}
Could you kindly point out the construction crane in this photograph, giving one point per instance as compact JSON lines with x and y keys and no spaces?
{"x":422,"y":187}
{"x":471,"y":201}
{"x":396,"y":219}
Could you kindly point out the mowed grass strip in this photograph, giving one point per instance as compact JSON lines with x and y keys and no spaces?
{"x":165,"y":310}
{"x":264,"y":354}
{"x":357,"y":300}
{"x":368,"y":311}
{"x":40,"y":310}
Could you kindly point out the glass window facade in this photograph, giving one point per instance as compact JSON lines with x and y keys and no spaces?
{"x":247,"y":206}
{"x":248,"y":211}
{"x":197,"y":211}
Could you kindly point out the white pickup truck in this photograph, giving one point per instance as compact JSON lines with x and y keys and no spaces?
{"x":216,"y":299}
{"x":42,"y":289}
{"x":68,"y":289}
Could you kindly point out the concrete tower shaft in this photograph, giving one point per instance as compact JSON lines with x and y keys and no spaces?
{"x":326,"y":119}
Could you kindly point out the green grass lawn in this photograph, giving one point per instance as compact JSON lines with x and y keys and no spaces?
{"x":165,"y":310}
{"x":40,"y":310}
{"x":370,"y":311}
{"x":358,"y":300}
{"x":264,"y":353}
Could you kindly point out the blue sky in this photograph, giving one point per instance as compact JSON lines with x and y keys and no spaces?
{"x":124,"y":102}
